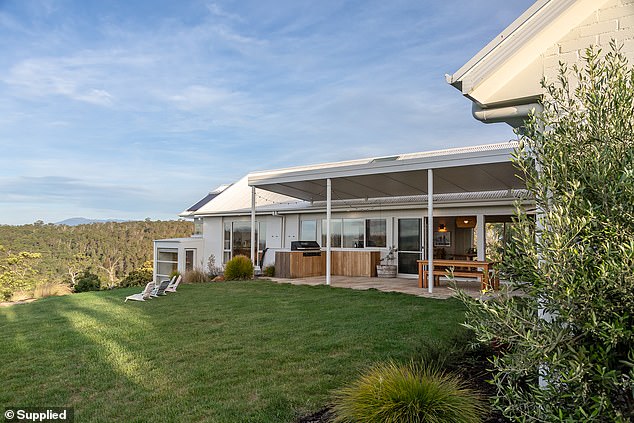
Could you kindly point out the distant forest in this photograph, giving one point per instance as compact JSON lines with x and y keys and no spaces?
{"x":111,"y":250}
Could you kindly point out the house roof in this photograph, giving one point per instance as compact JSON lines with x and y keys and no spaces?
{"x":236,"y":198}
{"x":480,"y":173}
{"x":458,"y":170}
{"x":213,"y":194}
{"x":508,"y":70}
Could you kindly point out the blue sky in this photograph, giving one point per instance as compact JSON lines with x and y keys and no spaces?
{"x":134,"y":109}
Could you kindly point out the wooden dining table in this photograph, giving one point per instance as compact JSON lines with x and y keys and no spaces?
{"x":482,"y":270}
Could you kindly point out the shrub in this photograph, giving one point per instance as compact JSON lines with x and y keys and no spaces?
{"x":269,"y":271}
{"x":239,"y":268}
{"x":49,"y":289}
{"x":195,"y":276}
{"x":87,"y":281}
{"x":567,"y":335}
{"x":389,"y":392}
{"x":138,"y":277}
{"x":212,"y":268}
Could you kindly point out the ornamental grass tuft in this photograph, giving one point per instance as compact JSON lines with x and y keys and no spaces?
{"x":239,"y":268}
{"x":391,"y":392}
{"x":195,"y":276}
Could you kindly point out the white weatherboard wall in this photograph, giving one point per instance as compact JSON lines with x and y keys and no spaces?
{"x":274,"y":232}
{"x":291,"y":229}
{"x":213,"y":236}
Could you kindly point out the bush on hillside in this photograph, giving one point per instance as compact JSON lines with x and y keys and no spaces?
{"x":390,"y":392}
{"x":87,"y":281}
{"x":138,"y":277}
{"x":49,"y":289}
{"x":239,"y":268}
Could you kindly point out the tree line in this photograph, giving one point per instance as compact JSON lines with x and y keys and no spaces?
{"x":44,"y":253}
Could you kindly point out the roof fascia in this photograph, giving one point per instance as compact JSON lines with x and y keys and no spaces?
{"x":497,"y":46}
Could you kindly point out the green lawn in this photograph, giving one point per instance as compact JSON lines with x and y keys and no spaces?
{"x":223,"y":352}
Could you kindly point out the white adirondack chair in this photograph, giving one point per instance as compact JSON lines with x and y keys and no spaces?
{"x":142,"y":296}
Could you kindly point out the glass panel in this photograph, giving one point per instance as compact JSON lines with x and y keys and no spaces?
{"x":226,"y":256}
{"x":166,"y":268}
{"x":376,"y":232}
{"x":241,"y":239}
{"x":261,"y":234}
{"x":189,"y":260}
{"x":227,"y":237}
{"x":308,"y":230}
{"x":168,"y":255}
{"x":198,"y":226}
{"x":497,"y":237}
{"x":335,"y":233}
{"x":407,"y":262}
{"x":409,"y":235}
{"x":353,"y":230}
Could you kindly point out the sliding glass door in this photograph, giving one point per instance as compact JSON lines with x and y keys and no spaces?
{"x":410,"y":245}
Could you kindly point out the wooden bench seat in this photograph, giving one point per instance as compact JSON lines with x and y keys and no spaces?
{"x":481,"y":270}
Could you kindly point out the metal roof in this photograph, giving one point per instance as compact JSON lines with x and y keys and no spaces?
{"x":237,"y":198}
{"x":458,"y":170}
{"x":212,"y":194}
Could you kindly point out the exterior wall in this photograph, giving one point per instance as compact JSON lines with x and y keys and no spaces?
{"x":286,"y":227}
{"x":213,"y":238}
{"x":291,"y":229}
{"x":179,"y":246}
{"x":615,"y":20}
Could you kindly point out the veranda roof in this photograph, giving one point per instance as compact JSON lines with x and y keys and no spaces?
{"x":459,"y":170}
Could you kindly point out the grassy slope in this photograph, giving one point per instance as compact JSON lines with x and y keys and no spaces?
{"x":257,"y":351}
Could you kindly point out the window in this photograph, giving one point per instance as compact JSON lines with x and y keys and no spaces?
{"x":237,"y":239}
{"x":226,"y":250}
{"x":353,"y":233}
{"x":335,"y":233}
{"x":189,"y":260}
{"x":198,"y":226}
{"x":356,"y":233}
{"x":308,"y":230}
{"x":166,"y":262}
{"x":375,"y":233}
{"x":260,"y":234}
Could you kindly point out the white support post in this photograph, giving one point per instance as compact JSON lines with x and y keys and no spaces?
{"x":328,"y":213}
{"x":430,"y":229}
{"x":253,"y":246}
{"x":481,"y":237}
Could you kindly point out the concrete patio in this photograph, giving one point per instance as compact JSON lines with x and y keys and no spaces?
{"x":405,"y":286}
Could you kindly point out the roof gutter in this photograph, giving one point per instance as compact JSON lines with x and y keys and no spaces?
{"x":513,"y":115}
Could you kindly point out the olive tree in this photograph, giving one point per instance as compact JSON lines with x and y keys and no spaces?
{"x":564,"y":334}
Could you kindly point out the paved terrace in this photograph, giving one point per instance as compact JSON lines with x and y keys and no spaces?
{"x":405,"y":286}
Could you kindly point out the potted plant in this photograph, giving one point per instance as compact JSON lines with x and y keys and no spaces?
{"x":387,"y":268}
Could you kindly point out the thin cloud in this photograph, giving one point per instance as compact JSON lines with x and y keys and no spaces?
{"x":153,"y":110}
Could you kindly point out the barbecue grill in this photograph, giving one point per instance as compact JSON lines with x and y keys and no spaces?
{"x":309,"y":248}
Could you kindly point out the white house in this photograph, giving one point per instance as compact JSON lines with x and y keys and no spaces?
{"x":503,"y":80}
{"x":430,"y":204}
{"x":372,"y":204}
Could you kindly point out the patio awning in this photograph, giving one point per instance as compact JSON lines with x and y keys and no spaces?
{"x":469,"y":169}
{"x":460,"y":170}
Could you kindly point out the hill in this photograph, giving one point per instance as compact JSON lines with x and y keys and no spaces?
{"x":110,"y":249}
{"x":75,"y":221}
